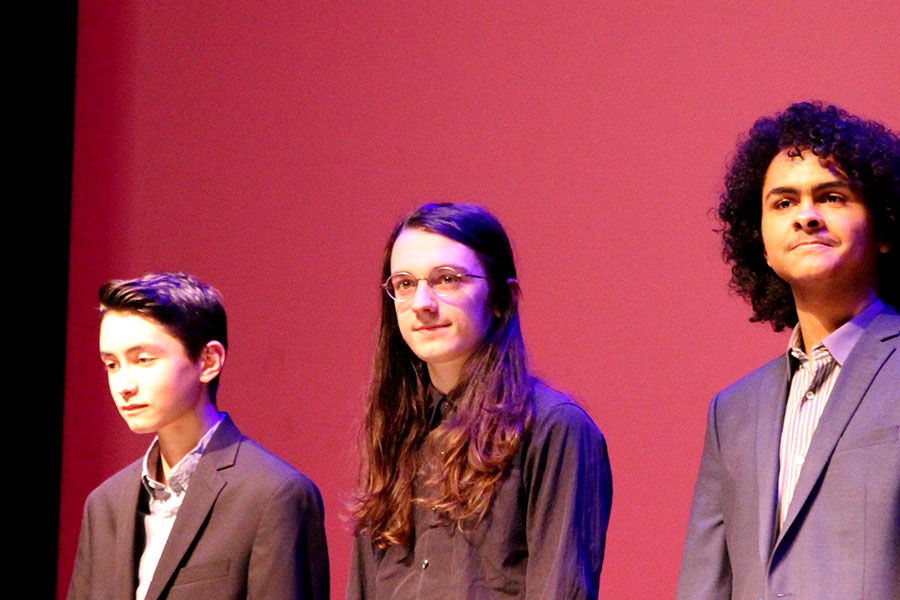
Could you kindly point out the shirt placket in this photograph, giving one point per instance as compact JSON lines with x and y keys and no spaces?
{"x":802,"y":414}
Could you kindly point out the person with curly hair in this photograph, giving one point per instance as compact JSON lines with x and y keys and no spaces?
{"x":798,"y":493}
{"x":477,"y":481}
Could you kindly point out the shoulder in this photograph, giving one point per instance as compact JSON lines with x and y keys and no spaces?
{"x":745,"y":390}
{"x":253,"y":471}
{"x":114,"y":486}
{"x":554,"y":409}
{"x":269,"y":470}
{"x":555,"y":415}
{"x":564,"y":449}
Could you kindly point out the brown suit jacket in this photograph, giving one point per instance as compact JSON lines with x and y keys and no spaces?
{"x":250,"y":527}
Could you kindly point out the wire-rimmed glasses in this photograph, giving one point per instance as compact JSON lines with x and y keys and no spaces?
{"x":443,"y":280}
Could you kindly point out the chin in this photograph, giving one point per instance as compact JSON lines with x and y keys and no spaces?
{"x":141,"y":427}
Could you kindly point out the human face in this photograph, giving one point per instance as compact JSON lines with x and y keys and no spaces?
{"x":817,"y":231}
{"x":443,"y":331}
{"x":153,"y":382}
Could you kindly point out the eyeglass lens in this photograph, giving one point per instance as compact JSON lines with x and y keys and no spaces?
{"x":443,"y":280}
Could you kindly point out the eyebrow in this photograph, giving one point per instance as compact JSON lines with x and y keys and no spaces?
{"x":817,"y":188}
{"x":459,"y":268}
{"x":134,"y":349}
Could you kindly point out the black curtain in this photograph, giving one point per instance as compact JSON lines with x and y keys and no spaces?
{"x":42,"y":90}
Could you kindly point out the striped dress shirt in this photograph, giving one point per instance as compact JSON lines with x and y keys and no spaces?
{"x":813,"y":378}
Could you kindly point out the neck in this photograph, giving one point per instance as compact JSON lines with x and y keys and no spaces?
{"x":445,"y":376}
{"x":819,"y":315}
{"x":179,"y":438}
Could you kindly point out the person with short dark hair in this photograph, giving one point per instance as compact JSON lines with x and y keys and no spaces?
{"x":798,"y":494}
{"x":478,"y":481}
{"x":207,"y":512}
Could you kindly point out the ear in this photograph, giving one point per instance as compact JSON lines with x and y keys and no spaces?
{"x":885,"y":247}
{"x":515,"y":293}
{"x":212,"y":359}
{"x":514,"y":289}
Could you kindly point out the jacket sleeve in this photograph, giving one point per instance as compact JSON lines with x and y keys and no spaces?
{"x":80,"y":585}
{"x":289,"y":558}
{"x":569,"y":497}
{"x":705,"y":568}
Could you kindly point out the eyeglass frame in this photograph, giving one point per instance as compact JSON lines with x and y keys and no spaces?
{"x":386,"y":286}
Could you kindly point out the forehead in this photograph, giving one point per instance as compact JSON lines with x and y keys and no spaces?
{"x":120,"y":331}
{"x":417,"y":251}
{"x":788,"y":169}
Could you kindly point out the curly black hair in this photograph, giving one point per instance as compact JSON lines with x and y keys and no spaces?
{"x":869,"y":155}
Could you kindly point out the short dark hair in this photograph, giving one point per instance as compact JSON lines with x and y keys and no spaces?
{"x":189,"y":309}
{"x":867,"y":153}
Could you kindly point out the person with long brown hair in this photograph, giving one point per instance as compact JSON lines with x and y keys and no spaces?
{"x":477,"y":480}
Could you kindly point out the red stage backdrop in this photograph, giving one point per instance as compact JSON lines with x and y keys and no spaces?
{"x":269,"y":147}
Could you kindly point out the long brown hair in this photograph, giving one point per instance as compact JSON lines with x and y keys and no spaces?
{"x":465,"y":457}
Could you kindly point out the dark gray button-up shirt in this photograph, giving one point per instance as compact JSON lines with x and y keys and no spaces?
{"x":543,"y":536}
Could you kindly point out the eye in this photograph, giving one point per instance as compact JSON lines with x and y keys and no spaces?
{"x":110,"y":365}
{"x":782,"y":204}
{"x":403,"y":282}
{"x":833,"y":198}
{"x":145,"y":360}
{"x":444,"y":280}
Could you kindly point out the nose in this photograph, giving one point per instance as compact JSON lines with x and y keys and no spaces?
{"x":423,"y":299}
{"x":123,"y":384}
{"x":808,"y":218}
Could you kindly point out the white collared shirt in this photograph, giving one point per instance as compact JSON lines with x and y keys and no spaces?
{"x":164,"y":502}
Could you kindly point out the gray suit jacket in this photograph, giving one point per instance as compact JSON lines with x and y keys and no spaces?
{"x":250,"y":527}
{"x":841,"y":536}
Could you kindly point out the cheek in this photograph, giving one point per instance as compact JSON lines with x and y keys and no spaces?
{"x":403,"y":317}
{"x":478,"y":322}
{"x":767,"y":242}
{"x":399,"y":315}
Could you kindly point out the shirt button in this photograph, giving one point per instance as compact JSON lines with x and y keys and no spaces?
{"x":425,"y":564}
{"x":810,"y":395}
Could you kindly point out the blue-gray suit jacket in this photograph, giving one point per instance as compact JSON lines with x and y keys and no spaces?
{"x":841,"y":535}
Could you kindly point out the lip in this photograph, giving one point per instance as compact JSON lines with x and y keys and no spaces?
{"x":132,"y":407}
{"x":433,"y":327}
{"x":812,"y":243}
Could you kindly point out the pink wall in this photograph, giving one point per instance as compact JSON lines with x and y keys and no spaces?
{"x":268,"y":148}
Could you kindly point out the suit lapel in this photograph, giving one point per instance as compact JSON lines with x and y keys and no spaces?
{"x":770,"y":417}
{"x":203,"y":490}
{"x":126,"y":524}
{"x":863,"y":364}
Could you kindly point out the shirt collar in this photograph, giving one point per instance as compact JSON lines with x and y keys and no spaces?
{"x":439,"y":406}
{"x":182,"y":471}
{"x":839,"y":342}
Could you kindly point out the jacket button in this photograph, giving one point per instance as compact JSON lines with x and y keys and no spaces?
{"x":425,"y":564}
